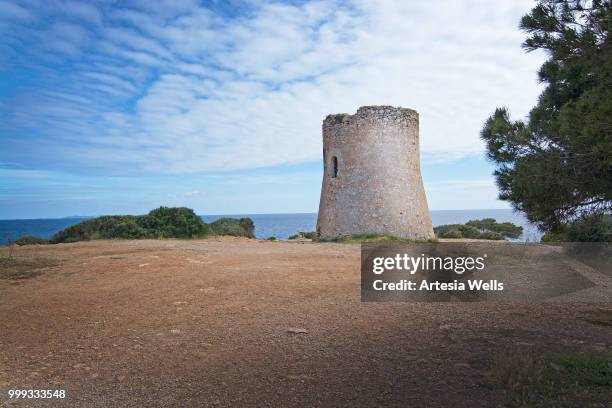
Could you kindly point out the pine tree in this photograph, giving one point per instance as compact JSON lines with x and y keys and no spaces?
{"x":557,"y":165}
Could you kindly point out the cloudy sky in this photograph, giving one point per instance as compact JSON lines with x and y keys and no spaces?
{"x":119,"y":107}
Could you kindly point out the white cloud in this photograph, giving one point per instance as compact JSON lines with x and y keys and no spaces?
{"x":207,"y":92}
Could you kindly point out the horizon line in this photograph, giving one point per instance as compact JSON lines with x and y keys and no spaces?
{"x":239,"y":214}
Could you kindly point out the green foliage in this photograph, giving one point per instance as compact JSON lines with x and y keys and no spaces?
{"x":307,"y":235}
{"x":588,"y":368}
{"x":243,"y":227}
{"x":31,"y":240}
{"x":557,"y":167}
{"x":507,"y":229}
{"x":557,"y":236}
{"x":128,"y":230}
{"x":248,"y":225}
{"x":271,"y":239}
{"x":491,"y":235}
{"x":96,"y":228}
{"x":358,"y":238}
{"x":487,"y":228}
{"x":339,"y":117}
{"x":569,"y":379}
{"x":448,"y":231}
{"x":469,"y":232}
{"x":163,"y":222}
{"x":593,"y":228}
{"x":178,"y":222}
{"x":149,"y":222}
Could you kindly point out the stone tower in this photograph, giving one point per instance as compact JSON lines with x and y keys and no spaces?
{"x":372,"y":176}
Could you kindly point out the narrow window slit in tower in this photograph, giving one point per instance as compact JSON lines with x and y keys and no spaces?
{"x":335,"y":166}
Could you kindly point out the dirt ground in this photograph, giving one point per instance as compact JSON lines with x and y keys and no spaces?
{"x":238,"y":322}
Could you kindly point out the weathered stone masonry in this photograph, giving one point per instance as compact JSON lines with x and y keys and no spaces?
{"x":372,"y":177}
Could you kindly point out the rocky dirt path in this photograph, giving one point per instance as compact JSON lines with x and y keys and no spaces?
{"x":237,"y":322}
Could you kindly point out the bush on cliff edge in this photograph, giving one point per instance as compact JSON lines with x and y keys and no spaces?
{"x":163,"y":222}
{"x":243,"y":227}
{"x":487,"y":228}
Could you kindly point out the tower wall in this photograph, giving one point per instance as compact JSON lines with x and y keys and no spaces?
{"x":372,"y":177}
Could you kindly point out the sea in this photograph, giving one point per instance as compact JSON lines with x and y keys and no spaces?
{"x":280,"y":226}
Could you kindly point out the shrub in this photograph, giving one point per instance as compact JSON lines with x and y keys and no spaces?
{"x":243,"y":227}
{"x":470,"y":232}
{"x":31,"y":240}
{"x":490,"y":235}
{"x":451,"y":233}
{"x":559,"y":236}
{"x":442,"y":231}
{"x":96,"y":228}
{"x":163,"y":222}
{"x":271,"y":239}
{"x":149,"y":222}
{"x":308,"y":235}
{"x":595,"y":228}
{"x":128,"y":230}
{"x":178,"y":222}
{"x":457,"y":231}
{"x":507,"y":229}
{"x":486,"y":228}
{"x":248,"y":225}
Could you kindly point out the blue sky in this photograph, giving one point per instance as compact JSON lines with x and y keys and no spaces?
{"x":118,"y":107}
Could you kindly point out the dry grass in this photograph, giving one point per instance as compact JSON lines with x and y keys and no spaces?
{"x":533,"y":379}
{"x":359,"y":238}
{"x":12,"y":267}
